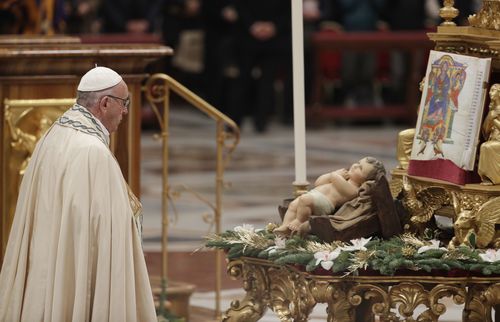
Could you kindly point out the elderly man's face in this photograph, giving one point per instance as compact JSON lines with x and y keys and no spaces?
{"x":116,"y":107}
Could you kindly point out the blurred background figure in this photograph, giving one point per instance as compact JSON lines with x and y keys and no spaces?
{"x":315,"y":13}
{"x":221,"y":59}
{"x":182,"y":29}
{"x":358,"y":68}
{"x":15,"y":17}
{"x":265,"y":55}
{"x":402,"y":15}
{"x":82,"y":16}
{"x":31,"y":16}
{"x":129,"y":16}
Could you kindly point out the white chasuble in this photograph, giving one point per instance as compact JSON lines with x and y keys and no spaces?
{"x":74,"y":250}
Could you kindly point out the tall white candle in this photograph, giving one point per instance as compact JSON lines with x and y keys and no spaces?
{"x":299,"y":124}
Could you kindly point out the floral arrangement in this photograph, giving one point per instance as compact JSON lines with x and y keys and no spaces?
{"x":406,"y":253}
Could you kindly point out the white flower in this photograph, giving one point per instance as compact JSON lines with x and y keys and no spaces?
{"x":434,"y":245}
{"x":326,"y":258}
{"x":245,"y":228}
{"x":357,"y":244}
{"x":279,"y":243}
{"x":491,"y":255}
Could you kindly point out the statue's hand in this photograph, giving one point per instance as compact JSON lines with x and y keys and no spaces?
{"x":343,"y":173}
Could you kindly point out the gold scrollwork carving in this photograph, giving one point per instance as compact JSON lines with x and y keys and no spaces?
{"x":408,"y":296}
{"x":488,"y":17}
{"x":476,"y":308}
{"x":339,"y":308}
{"x":491,"y":296}
{"x":256,"y":285}
{"x":378,"y":298}
{"x":456,"y":293}
{"x":293,"y":294}
{"x":291,"y":299}
{"x":235,"y":269}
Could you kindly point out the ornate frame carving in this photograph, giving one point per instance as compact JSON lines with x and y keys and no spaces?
{"x":292,"y":294}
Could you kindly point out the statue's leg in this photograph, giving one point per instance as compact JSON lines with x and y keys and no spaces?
{"x":290,"y":215}
{"x":305,"y":204}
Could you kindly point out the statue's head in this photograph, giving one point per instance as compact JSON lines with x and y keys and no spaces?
{"x":365,"y":169}
{"x":378,"y":168}
{"x":465,"y":220}
{"x":495,"y":92}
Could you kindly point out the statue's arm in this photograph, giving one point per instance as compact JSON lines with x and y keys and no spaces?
{"x":323,"y":179}
{"x":331,"y":177}
{"x":496,"y":123}
{"x":491,"y":121}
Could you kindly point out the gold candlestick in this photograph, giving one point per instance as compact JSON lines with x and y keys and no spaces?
{"x":300,"y":188}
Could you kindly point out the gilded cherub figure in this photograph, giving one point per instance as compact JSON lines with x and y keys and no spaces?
{"x":25,"y":142}
{"x":489,"y":156}
{"x":330,"y":191}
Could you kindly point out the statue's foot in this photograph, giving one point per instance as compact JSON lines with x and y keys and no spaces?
{"x":281,"y":230}
{"x":294,"y":225}
{"x":304,"y":228}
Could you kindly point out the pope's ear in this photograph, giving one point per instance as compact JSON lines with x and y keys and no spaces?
{"x":103,"y":103}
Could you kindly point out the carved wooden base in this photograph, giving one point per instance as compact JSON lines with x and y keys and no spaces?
{"x":292,"y":294}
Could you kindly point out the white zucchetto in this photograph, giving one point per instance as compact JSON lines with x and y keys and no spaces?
{"x":98,"y":79}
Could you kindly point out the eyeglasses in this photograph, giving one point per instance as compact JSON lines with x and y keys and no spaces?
{"x":126,"y":101}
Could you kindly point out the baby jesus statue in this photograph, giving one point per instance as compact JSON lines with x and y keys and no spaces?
{"x":331,"y":190}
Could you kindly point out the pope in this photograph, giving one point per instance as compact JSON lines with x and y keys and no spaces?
{"x":74,"y":251}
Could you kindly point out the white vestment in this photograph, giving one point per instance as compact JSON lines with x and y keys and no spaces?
{"x":74,"y":250}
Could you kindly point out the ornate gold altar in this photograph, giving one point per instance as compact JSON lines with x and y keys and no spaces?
{"x":474,"y":209}
{"x":292,"y":294}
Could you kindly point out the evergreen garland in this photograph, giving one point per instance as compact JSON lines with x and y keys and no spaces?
{"x":404,"y":254}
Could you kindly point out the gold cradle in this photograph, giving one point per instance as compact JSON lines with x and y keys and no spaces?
{"x":293,"y":293}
